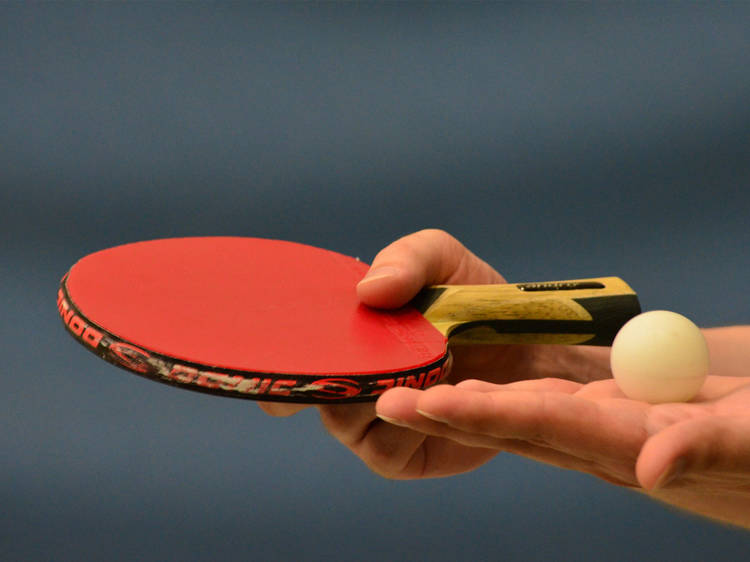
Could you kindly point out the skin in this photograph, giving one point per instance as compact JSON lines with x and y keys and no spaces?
{"x":554,"y":404}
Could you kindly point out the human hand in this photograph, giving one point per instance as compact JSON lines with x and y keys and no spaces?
{"x":554,"y":404}
{"x":693,"y":455}
{"x":397,"y":274}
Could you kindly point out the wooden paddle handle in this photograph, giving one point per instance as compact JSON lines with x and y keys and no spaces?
{"x":583,"y":311}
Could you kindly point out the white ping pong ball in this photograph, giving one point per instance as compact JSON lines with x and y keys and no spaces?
{"x":659,"y":356}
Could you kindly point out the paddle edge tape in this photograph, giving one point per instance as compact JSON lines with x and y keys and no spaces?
{"x":250,"y":385}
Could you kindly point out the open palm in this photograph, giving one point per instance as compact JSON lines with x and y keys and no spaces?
{"x":689,"y":454}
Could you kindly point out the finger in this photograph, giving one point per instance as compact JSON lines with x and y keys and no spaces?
{"x":347,"y":422}
{"x":546,"y":385}
{"x":400,"y":453}
{"x":397,"y":451}
{"x":707,"y":447}
{"x":570,"y":424}
{"x":452,"y":411}
{"x":394,"y":451}
{"x":387,"y":449}
{"x":406,"y":453}
{"x":620,"y":474}
{"x":400,"y":406}
{"x":717,"y":387}
{"x":601,"y":389}
{"x":277,"y":409}
{"x":426,"y":257}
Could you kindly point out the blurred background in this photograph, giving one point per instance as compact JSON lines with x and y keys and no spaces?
{"x":556,"y":141}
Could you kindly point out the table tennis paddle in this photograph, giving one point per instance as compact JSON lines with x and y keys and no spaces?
{"x":280,"y":321}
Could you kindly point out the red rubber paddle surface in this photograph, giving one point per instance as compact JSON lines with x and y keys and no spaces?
{"x":248,"y":304}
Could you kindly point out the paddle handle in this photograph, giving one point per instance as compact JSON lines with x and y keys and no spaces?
{"x":576,"y":312}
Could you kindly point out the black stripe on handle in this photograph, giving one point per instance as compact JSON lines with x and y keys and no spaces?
{"x":608,"y":315}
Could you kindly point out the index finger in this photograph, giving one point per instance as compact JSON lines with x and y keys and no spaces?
{"x":610,"y":429}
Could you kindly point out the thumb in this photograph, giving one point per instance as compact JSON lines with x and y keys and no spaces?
{"x":426,"y":257}
{"x":716,"y":447}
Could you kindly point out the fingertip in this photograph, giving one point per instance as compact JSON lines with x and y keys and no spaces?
{"x":438,"y":401}
{"x":387,"y":286}
{"x":379,"y":273}
{"x":426,"y":257}
{"x":648,"y":475}
{"x":281,"y":410}
{"x":403,"y":267}
{"x":397,"y":404}
{"x":475,"y":385}
{"x":663,"y":456}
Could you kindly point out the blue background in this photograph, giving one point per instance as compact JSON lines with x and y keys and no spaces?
{"x":555,"y":141}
